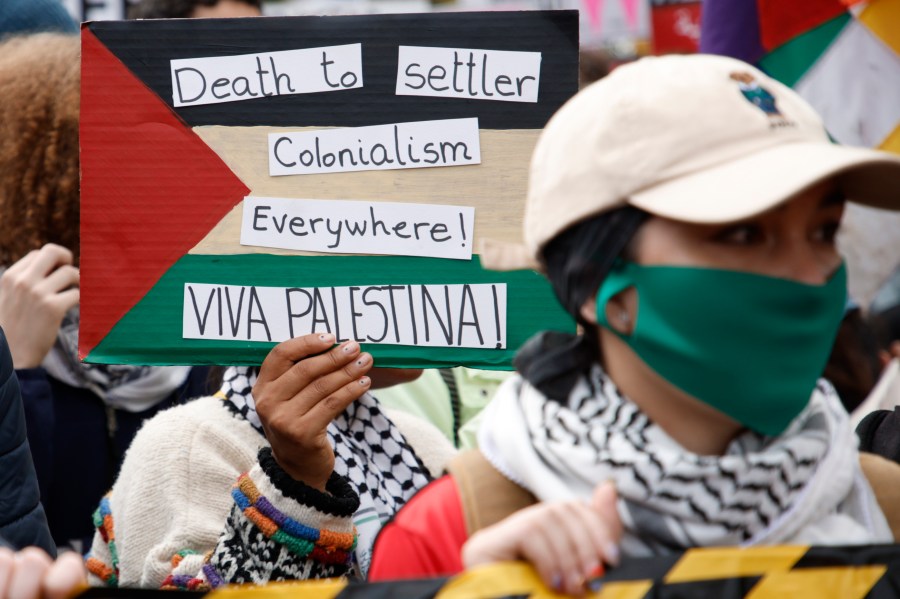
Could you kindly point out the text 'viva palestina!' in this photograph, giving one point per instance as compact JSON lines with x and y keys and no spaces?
{"x":471,"y":316}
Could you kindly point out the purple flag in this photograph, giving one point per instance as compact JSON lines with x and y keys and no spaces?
{"x":731,"y":28}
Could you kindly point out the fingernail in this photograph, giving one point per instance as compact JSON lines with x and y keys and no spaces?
{"x":594,"y":578}
{"x":363,"y":360}
{"x":350,"y":347}
{"x":364,"y":381}
{"x":612,"y":553}
{"x":326,"y":338}
{"x":556,"y":582}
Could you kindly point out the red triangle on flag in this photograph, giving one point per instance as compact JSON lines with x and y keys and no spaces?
{"x":781,"y":21}
{"x":150,"y":190}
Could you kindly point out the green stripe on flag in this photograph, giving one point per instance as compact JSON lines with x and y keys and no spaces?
{"x":789,"y":62}
{"x":150,"y":333}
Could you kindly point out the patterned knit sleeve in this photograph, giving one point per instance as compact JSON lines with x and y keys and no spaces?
{"x":278,"y":529}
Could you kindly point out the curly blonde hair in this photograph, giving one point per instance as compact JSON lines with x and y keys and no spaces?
{"x":39,"y":194}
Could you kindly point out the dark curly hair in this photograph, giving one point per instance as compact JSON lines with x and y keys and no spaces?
{"x":39,"y":195}
{"x":174,"y":9}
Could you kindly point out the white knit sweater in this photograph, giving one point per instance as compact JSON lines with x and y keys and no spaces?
{"x":173,"y":520}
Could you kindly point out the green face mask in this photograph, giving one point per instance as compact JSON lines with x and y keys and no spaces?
{"x":748,"y":345}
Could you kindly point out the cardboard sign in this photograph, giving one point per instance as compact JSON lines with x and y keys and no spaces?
{"x":249,"y":180}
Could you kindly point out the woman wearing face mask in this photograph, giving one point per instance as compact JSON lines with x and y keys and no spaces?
{"x":685,"y":211}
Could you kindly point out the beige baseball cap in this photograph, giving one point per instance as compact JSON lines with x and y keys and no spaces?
{"x":700,"y":138}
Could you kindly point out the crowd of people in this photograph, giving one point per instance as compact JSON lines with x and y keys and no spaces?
{"x":722,"y":389}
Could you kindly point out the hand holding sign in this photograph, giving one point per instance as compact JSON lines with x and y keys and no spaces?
{"x":300,"y":390}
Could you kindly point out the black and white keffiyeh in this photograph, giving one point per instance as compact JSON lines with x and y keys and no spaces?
{"x":368,"y":449}
{"x":237,"y":387}
{"x":121,"y":386}
{"x":802,"y":486}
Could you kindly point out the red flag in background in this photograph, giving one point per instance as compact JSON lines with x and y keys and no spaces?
{"x":676,"y":26}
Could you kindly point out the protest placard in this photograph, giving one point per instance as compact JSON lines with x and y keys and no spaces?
{"x":249,"y":180}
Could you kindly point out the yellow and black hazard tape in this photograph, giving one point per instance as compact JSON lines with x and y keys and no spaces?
{"x":863,"y":572}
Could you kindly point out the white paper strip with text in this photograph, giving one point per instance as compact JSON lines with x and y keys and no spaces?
{"x":465,"y":73}
{"x":358,"y":227}
{"x":471,"y":316}
{"x":218,"y":79}
{"x":422,"y":144}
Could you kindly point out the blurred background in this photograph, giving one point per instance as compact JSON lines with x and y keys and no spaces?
{"x":623,"y":27}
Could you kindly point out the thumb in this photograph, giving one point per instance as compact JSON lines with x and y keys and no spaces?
{"x":604,"y":497}
{"x":603,"y":501}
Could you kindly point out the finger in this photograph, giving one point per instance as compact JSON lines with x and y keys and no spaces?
{"x":47,"y":259}
{"x":287,"y":353}
{"x":7,"y":565}
{"x":347,"y":365}
{"x":308,"y":375}
{"x":543,"y":551}
{"x":484,"y":547}
{"x":603,"y":547}
{"x":65,"y":576}
{"x":321,"y":415}
{"x":603,"y":502}
{"x":66,"y":300}
{"x":548,"y":548}
{"x":585,"y":537}
{"x":62,"y":278}
{"x":31,"y":565}
{"x":330,"y":383}
{"x":581,"y":534}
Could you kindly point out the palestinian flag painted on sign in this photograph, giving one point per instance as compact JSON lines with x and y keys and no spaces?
{"x":167,"y":274}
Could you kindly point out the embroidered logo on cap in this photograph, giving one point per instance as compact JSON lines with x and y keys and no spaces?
{"x":761,"y":98}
